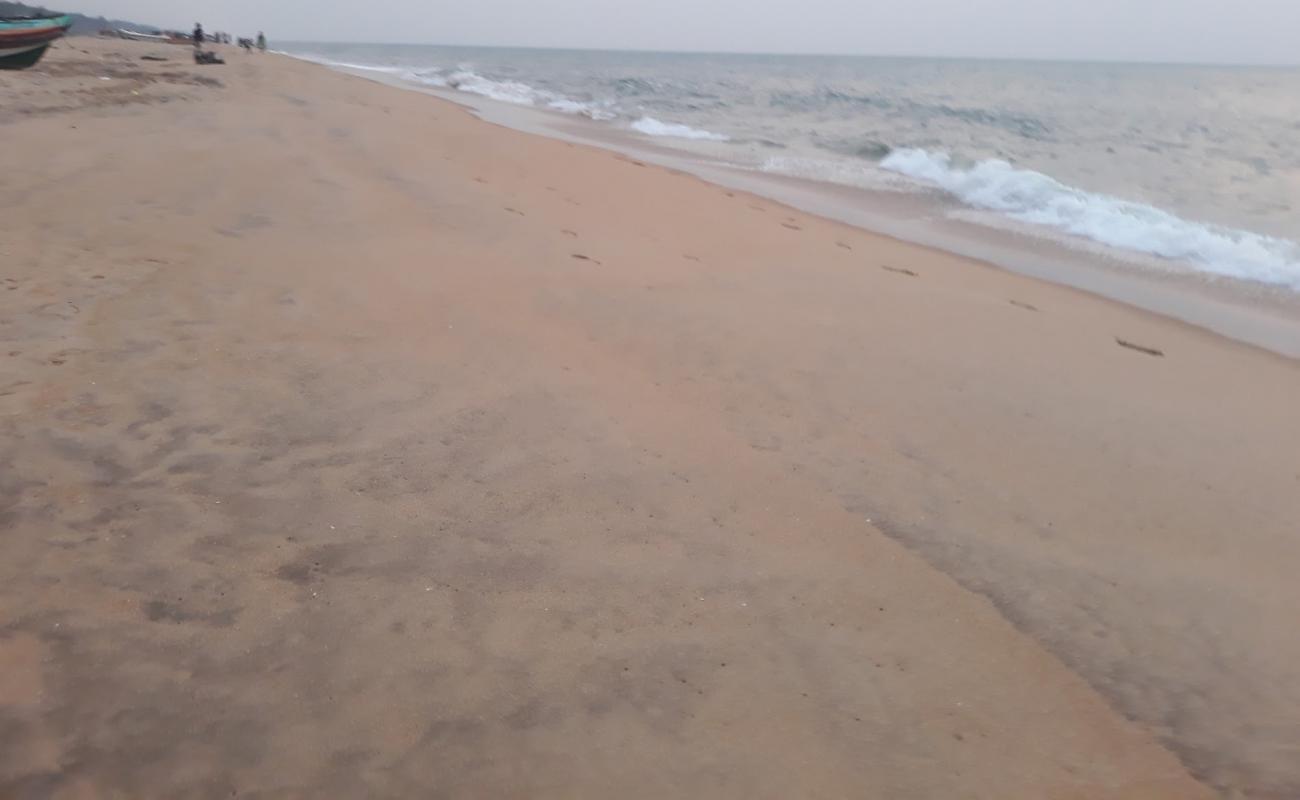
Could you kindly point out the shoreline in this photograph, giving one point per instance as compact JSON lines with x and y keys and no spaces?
{"x":1256,"y":314}
{"x":364,"y":447}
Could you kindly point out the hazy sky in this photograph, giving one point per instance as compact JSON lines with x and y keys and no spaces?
{"x":1242,"y":31}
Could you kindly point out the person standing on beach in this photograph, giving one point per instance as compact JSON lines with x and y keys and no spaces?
{"x":198,"y":34}
{"x":261,"y":41}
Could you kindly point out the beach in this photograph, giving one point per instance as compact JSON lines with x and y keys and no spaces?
{"x":353,"y":446}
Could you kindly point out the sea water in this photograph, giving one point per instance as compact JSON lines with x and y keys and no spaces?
{"x":1197,"y":166}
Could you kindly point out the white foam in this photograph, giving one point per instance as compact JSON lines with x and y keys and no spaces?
{"x":428,"y":78}
{"x":514,"y":92}
{"x":342,"y":64}
{"x":504,"y":91}
{"x":1038,"y":199}
{"x":466,"y":80}
{"x":653,"y":127}
{"x":840,"y":171}
{"x":591,"y":110}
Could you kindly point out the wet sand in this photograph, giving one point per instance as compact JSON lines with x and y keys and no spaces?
{"x":351,"y":446}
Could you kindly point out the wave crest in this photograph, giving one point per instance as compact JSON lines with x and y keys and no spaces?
{"x":1038,"y":199}
{"x":653,"y":127}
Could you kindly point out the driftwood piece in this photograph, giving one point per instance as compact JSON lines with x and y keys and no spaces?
{"x":1151,"y":351}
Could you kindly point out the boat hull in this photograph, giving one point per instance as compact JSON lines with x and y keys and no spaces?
{"x":22,"y":57}
{"x":135,"y":36}
{"x":24,"y":41}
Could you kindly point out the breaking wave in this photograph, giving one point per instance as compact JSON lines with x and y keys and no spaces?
{"x":522,"y":94}
{"x":1038,"y":199}
{"x":466,"y":80}
{"x":653,"y":127}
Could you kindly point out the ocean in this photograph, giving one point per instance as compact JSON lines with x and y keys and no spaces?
{"x":1191,"y":169}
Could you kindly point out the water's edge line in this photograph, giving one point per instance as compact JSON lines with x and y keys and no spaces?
{"x":1168,"y":313}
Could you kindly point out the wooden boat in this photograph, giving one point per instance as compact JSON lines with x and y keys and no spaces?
{"x":137,"y":36}
{"x":23,"y":40}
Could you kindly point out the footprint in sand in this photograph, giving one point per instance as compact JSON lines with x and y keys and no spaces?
{"x":791,"y":226}
{"x":516,"y":211}
{"x":581,"y":257}
{"x":1023,"y":305}
{"x":690,"y":257}
{"x":568,"y":232}
{"x":899,"y":270}
{"x":842,"y":244}
{"x":247,"y":223}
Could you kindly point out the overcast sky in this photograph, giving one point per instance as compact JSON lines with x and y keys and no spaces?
{"x":1229,"y":31}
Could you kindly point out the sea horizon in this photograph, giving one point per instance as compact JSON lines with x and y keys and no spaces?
{"x":800,"y":54}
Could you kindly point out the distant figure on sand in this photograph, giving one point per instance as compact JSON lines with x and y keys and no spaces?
{"x":198,"y":34}
{"x":261,"y":41}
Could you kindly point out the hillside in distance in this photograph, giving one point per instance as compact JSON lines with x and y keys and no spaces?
{"x":81,"y":24}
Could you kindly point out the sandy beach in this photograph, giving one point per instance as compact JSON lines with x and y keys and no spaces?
{"x":352,"y":446}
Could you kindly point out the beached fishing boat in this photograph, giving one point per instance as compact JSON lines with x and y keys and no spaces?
{"x":24,"y":40}
{"x":166,"y":37}
{"x":137,"y":36}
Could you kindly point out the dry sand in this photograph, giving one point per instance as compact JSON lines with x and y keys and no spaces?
{"x":351,"y":446}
